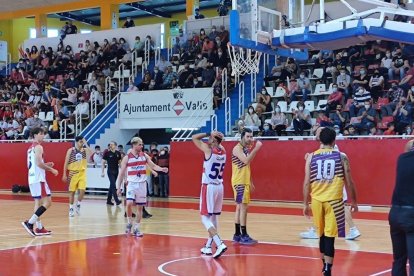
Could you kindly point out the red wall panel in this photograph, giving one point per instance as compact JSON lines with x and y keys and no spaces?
{"x":13,"y":159}
{"x":278,"y":169}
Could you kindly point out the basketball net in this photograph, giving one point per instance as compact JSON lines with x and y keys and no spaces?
{"x":243,"y":61}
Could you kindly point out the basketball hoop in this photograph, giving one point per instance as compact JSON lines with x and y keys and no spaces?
{"x":244,"y":61}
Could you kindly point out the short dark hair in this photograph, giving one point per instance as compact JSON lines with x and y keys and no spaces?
{"x":327,"y":136}
{"x":246,"y":130}
{"x":97,"y":147}
{"x":78,"y":138}
{"x":37,"y":130}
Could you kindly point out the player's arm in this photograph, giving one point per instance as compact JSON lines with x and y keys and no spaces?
{"x":103,"y":162}
{"x":65,"y":165}
{"x":40,"y":163}
{"x":306,"y":186}
{"x":349,"y":182}
{"x":238,"y":152}
{"x":200,"y":144}
{"x":408,"y":146}
{"x":89,"y":151}
{"x":153,"y":166}
{"x":121,"y":175}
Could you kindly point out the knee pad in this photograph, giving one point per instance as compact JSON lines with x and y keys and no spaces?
{"x":207,"y":222}
{"x":329,"y":247}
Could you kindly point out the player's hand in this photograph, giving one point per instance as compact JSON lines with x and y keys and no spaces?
{"x":306,"y":156}
{"x":252,"y":187}
{"x":217,"y":134}
{"x":54,"y":172}
{"x":102,"y":174}
{"x":154,"y":173}
{"x":64,"y":178}
{"x":50,"y":164}
{"x":307,"y":211}
{"x":164,"y":170}
{"x":119,"y":192}
{"x":258,"y":144}
{"x":354,"y":207}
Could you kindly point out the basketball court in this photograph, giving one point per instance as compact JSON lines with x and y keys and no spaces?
{"x":94,"y":243}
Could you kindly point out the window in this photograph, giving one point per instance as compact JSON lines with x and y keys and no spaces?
{"x":50,"y":33}
{"x":85,"y":31}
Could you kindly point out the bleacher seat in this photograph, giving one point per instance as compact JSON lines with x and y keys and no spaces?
{"x":269,"y":90}
{"x":283,"y":106}
{"x":317,"y":74}
{"x":280,"y":92}
{"x":49,"y":116}
{"x":321,"y":102}
{"x":138,"y":61}
{"x":293,"y":105}
{"x":310,"y":105}
{"x":42,"y":115}
{"x":320,"y":89}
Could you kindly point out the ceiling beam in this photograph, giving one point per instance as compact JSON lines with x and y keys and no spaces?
{"x":69,"y":16}
{"x":152,"y":11}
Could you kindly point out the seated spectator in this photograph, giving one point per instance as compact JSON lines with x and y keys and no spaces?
{"x":376,"y":85}
{"x":82,"y":108}
{"x":361,"y":80}
{"x":278,"y":121}
{"x":365,"y":118}
{"x":168,"y":77}
{"x":360,"y":97}
{"x":267,"y":131}
{"x":163,"y":64}
{"x":96,"y":157}
{"x":398,"y":66}
{"x":129,"y":23}
{"x":403,"y":116}
{"x":264,"y":101}
{"x":213,"y":34}
{"x":208,"y":76}
{"x":71,"y":29}
{"x":251,"y":120}
{"x":33,"y":122}
{"x":373,"y":131}
{"x":71,"y":82}
{"x":144,"y":85}
{"x":207,"y":46}
{"x":196,"y":83}
{"x":185,"y":76}
{"x":390,"y":129}
{"x":395,"y":94}
{"x":334,"y":99}
{"x":339,"y":117}
{"x":132,"y":87}
{"x":301,"y":119}
{"x":408,"y":80}
{"x":304,"y":88}
{"x":323,"y":120}
{"x":276,"y":73}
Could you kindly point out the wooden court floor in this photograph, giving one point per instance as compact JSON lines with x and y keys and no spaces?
{"x":94,"y":243}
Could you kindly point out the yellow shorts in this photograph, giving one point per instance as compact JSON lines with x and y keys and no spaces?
{"x":329,"y":217}
{"x":241,"y":193}
{"x":77,"y":180}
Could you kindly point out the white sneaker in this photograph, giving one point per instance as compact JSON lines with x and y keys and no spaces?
{"x":353,"y":234}
{"x":220,"y":250}
{"x":310,"y":234}
{"x":128,"y":228}
{"x":137,"y":233}
{"x":206,"y":251}
{"x":71,"y":212}
{"x":77,"y":209}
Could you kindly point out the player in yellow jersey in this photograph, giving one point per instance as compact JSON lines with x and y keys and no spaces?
{"x":326,"y":171}
{"x":76,"y":163}
{"x":242,"y":183}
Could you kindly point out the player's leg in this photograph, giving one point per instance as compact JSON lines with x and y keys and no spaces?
{"x":206,"y":250}
{"x":238,"y":197}
{"x":141,"y":200}
{"x":399,"y":241}
{"x":245,"y":238}
{"x":36,"y":191}
{"x":215,"y":204}
{"x":81,"y":189}
{"x":319,"y":222}
{"x":73,"y":183}
{"x":353,"y":230}
{"x":130,"y":201}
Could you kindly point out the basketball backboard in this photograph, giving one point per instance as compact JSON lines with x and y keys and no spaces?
{"x":252,"y":23}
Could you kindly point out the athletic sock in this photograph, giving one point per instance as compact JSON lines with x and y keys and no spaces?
{"x":33,"y":219}
{"x":237,"y":228}
{"x":78,"y":203}
{"x":70,"y":206}
{"x":39,"y":224}
{"x":243,"y":230}
{"x":209,"y":242}
{"x":217,"y":240}
{"x":129,"y":220}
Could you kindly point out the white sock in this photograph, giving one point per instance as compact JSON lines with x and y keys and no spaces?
{"x":137,"y":225}
{"x":129,"y":220}
{"x":209,"y":241}
{"x":33,"y":219}
{"x":217,"y":240}
{"x":39,"y":224}
{"x":78,"y":203}
{"x":70,"y":206}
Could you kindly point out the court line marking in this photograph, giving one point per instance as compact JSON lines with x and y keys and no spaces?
{"x":381,"y":272}
{"x":161,"y":266}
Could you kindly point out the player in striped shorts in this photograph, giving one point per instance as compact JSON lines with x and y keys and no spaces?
{"x":211,"y":197}
{"x":134,"y":166}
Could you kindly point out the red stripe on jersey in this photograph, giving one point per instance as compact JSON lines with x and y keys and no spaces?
{"x":130,"y":155}
{"x":203,"y":201}
{"x":141,"y":172}
{"x":136,"y":163}
{"x":218,"y":151}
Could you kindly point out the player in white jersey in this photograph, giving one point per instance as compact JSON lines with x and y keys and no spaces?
{"x":353,"y":230}
{"x":37,"y":183}
{"x":134,"y":165}
{"x":211,"y":197}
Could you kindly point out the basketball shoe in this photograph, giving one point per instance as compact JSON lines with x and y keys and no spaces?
{"x":206,"y":251}
{"x":42,"y":232}
{"x":128,"y":228}
{"x":71,"y":212}
{"x":29,"y":228}
{"x":353,"y":233}
{"x":310,"y":234}
{"x":220,"y":250}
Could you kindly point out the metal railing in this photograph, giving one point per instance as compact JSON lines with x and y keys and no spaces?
{"x":121,"y":79}
{"x":79,"y":123}
{"x":213,"y":122}
{"x":253,"y":90}
{"x":227,"y":114}
{"x":224,"y":85}
{"x":241,"y":99}
{"x":108,"y":90}
{"x":147,"y":53}
{"x":157,"y":55}
{"x":94,"y":108}
{"x":193,"y":122}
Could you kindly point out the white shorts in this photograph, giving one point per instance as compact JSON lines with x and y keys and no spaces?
{"x":137,"y":191}
{"x":39,"y":189}
{"x":211,"y":199}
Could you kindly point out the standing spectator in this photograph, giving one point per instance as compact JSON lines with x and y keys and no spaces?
{"x":376,"y":85}
{"x":113,"y":158}
{"x":197,"y":14}
{"x":71,"y":29}
{"x":96,"y":157}
{"x":163,"y":177}
{"x":278,"y":121}
{"x":128,"y":23}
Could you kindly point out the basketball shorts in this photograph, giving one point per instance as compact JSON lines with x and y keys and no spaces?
{"x":329,"y":217}
{"x":241,"y":193}
{"x":77,"y":180}
{"x":211,"y":199}
{"x":39,"y":189}
{"x":137,"y":191}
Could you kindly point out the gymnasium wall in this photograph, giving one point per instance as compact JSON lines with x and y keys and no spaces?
{"x":278,"y":169}
{"x":13,"y":158}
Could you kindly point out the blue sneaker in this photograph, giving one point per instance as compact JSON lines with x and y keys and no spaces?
{"x":247,"y":240}
{"x":236,"y":238}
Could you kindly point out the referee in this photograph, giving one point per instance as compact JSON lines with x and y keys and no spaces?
{"x":401,"y":217}
{"x":112,"y":157}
